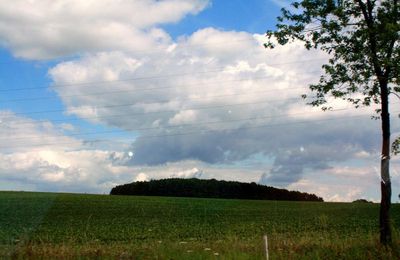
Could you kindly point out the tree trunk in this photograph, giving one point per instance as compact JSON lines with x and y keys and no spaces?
{"x":386,"y":189}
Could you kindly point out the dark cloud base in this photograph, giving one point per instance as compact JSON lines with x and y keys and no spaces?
{"x":294,"y":148}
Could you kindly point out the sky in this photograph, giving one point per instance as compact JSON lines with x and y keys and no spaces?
{"x":99,"y":93}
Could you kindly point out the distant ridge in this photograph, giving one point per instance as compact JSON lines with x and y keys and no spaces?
{"x":210,"y":189}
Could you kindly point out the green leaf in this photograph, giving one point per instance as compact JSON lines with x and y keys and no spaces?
{"x":396,"y":146}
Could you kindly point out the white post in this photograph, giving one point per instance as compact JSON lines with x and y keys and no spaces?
{"x":266,"y":246}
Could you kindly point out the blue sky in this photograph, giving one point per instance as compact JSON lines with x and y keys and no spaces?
{"x":254,"y":17}
{"x":97,"y":94}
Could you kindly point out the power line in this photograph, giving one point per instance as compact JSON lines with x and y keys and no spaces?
{"x":154,"y":51}
{"x":178,"y":126}
{"x":139,"y":89}
{"x":161,"y":101}
{"x":174,"y":126}
{"x":190,"y":133}
{"x":157,"y":112}
{"x":95,"y":83}
{"x":149,"y":113}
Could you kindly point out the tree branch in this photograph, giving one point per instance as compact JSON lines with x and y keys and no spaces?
{"x":368,"y":17}
{"x":388,"y":68}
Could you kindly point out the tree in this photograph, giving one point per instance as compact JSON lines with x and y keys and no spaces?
{"x":362,"y":39}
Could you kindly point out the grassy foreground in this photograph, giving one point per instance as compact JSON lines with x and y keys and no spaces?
{"x":51,"y":225}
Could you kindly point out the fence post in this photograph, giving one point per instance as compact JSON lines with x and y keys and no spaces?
{"x":266,"y":246}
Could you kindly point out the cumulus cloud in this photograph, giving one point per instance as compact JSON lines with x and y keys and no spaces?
{"x":333,"y":192}
{"x":344,"y":182}
{"x":55,"y":28}
{"x":181,"y":86}
{"x":40,"y":155}
{"x":18,"y":132}
{"x":204,"y":100}
{"x":191,"y":173}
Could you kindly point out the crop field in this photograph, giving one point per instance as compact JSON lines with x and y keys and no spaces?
{"x":53,"y":225}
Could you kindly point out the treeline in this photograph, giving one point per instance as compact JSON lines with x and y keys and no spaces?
{"x":210,"y":189}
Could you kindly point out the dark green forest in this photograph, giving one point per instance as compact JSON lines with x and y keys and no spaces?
{"x":210,"y":189}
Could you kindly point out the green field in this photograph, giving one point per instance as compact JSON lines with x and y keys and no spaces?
{"x":51,"y":225}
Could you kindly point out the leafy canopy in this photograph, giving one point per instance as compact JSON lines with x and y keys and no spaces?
{"x":362,"y":38}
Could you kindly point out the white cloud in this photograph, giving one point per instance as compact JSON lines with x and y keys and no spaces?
{"x":191,"y":173}
{"x":27,"y":132}
{"x":202,"y":70}
{"x":142,"y":177}
{"x":49,"y":170}
{"x":330,"y":192}
{"x":347,"y":181}
{"x":54,"y":28}
{"x":40,"y":156}
{"x":184,"y":117}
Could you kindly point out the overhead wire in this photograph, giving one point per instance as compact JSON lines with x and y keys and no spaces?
{"x":131,"y":52}
{"x":140,"y":78}
{"x":140,"y":89}
{"x":85,"y":142}
{"x":155,"y":112}
{"x":177,"y":126}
